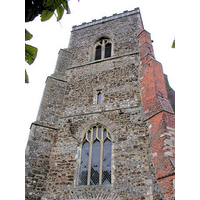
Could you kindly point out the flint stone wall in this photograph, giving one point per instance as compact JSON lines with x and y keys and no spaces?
{"x":70,"y":97}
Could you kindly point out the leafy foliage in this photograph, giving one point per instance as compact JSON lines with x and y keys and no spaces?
{"x":28,"y":35}
{"x":173,"y":45}
{"x":46,"y":14}
{"x":60,"y":11}
{"x":26,"y":77}
{"x":44,"y":8}
{"x":30,"y":53}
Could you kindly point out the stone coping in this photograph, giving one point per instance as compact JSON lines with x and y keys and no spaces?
{"x":104,"y":19}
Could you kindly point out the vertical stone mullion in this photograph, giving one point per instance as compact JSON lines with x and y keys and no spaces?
{"x":103,"y":49}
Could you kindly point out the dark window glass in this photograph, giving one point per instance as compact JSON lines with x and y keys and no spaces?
{"x":96,"y":149}
{"x":99,"y":133}
{"x":99,"y":98}
{"x":94,"y":132}
{"x":84,"y":164}
{"x":106,"y":167}
{"x":108,"y":50}
{"x":98,"y":53}
{"x":104,"y":133}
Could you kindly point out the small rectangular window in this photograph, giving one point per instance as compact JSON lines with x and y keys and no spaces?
{"x":99,"y":98}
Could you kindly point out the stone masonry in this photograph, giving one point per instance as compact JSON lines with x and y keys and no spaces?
{"x":135,"y":109}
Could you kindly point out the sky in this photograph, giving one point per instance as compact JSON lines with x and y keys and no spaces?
{"x":50,"y":36}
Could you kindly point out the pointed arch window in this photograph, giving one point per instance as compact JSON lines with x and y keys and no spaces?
{"x":103,"y":48}
{"x":95,"y":168}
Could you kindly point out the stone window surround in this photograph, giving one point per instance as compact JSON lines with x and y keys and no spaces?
{"x":99,"y":137}
{"x":78,"y":156}
{"x":95,"y":98}
{"x":94,"y":43}
{"x":102,"y":42}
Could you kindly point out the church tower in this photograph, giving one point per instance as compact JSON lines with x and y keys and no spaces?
{"x":105,"y":126}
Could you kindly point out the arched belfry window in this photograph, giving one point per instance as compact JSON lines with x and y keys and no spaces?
{"x":103,"y":48}
{"x":95,"y":166}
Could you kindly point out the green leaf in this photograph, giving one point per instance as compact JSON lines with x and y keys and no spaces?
{"x":173,"y":45}
{"x":52,"y":5}
{"x":30,"y":53}
{"x":60,"y":11}
{"x":65,"y":5}
{"x":31,"y":13}
{"x":28,"y":35}
{"x":48,"y":3}
{"x":26,"y":77}
{"x":46,"y":14}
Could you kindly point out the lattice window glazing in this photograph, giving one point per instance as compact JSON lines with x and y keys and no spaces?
{"x":95,"y":166}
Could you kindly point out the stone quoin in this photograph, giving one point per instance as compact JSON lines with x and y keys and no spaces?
{"x":106,"y":124}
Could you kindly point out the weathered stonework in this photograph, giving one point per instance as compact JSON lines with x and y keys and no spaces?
{"x":69,"y":108}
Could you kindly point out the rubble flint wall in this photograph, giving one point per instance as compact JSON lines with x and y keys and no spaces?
{"x":53,"y":153}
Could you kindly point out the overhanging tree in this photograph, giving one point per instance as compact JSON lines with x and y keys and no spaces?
{"x":44,"y":8}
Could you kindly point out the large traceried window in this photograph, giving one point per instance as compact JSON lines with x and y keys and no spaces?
{"x":103,"y":48}
{"x":95,"y":168}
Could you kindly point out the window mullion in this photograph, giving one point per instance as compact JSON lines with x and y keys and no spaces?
{"x":103,"y":49}
{"x":90,"y":158}
{"x":101,"y":158}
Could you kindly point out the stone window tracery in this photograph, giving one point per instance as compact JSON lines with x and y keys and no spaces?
{"x":95,"y":166}
{"x":103,"y":48}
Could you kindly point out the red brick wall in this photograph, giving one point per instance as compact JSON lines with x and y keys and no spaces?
{"x":158,"y":111}
{"x":168,"y":187}
{"x":161,"y":161}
